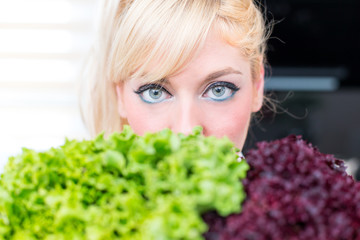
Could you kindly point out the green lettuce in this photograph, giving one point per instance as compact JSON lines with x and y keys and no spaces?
{"x":155,"y":186}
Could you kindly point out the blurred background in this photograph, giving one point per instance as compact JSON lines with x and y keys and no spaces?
{"x":43,"y":45}
{"x":313,"y":52}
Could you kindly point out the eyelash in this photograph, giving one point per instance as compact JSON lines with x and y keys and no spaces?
{"x":229,"y":91}
{"x":222,"y":84}
{"x":145,"y":87}
{"x":228,"y":85}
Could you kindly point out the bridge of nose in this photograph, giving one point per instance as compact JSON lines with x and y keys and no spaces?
{"x":186,"y":114}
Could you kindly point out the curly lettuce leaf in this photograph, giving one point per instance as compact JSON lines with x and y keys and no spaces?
{"x":125,"y":187}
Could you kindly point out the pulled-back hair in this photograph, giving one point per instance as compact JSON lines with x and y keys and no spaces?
{"x":133,"y":34}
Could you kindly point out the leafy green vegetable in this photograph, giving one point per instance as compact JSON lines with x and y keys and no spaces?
{"x":124,"y":187}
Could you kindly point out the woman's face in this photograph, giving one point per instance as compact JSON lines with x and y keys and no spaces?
{"x":215,"y":90}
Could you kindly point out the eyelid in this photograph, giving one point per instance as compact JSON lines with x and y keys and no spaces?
{"x":145,"y":87}
{"x":223,"y":84}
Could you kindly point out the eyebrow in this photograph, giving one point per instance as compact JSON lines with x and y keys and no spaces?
{"x":221,"y":73}
{"x":209,"y":77}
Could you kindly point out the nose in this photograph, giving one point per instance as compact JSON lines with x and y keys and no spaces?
{"x":186,"y":115}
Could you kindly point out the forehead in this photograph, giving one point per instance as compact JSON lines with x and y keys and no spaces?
{"x":215,"y":55}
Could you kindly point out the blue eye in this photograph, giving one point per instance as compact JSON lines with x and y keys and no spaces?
{"x":153,"y":93}
{"x":220,"y":91}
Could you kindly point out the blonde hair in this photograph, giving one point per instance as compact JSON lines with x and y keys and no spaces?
{"x":134,"y":33}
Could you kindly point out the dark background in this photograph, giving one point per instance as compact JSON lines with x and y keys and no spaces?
{"x":314,"y":51}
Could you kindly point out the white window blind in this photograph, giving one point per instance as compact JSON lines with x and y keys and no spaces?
{"x":43,"y":45}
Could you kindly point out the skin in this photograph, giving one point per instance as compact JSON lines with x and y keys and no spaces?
{"x":190,"y":98}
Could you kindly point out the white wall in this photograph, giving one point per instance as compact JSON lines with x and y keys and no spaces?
{"x":43,"y":45}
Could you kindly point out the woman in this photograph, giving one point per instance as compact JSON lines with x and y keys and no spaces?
{"x":177,"y":64}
